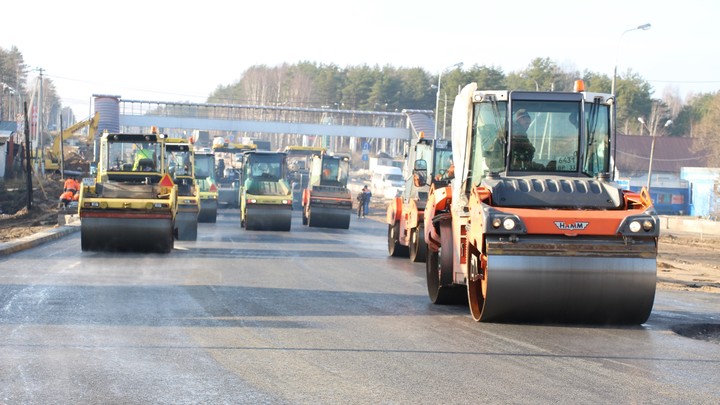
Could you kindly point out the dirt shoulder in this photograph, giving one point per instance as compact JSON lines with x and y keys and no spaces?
{"x":689,"y":263}
{"x":16,"y":221}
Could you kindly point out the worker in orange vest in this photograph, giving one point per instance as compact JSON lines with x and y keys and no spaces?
{"x":71,"y":185}
{"x":65,"y":198}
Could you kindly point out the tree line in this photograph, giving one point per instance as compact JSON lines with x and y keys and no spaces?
{"x":387,"y":88}
{"x":15,"y":89}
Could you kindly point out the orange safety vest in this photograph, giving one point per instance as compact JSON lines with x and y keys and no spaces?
{"x":71,"y":184}
{"x":66,"y":196}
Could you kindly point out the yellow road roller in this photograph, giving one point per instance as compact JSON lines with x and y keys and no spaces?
{"x":131,"y":203}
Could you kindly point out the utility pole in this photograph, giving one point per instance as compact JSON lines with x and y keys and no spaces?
{"x":61,"y":158}
{"x":28,"y":163}
{"x":41,"y":146}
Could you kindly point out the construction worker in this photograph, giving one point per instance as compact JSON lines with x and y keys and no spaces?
{"x":447,"y":170}
{"x":71,"y":185}
{"x":144,"y":159}
{"x":521,"y":147}
{"x":65,"y":198}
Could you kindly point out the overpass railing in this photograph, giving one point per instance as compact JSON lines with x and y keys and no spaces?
{"x":245,"y":112}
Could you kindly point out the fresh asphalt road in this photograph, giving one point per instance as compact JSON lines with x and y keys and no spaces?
{"x":311,"y":316}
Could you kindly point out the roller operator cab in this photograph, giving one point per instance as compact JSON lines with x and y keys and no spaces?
{"x":131,"y":204}
{"x":204,"y":169}
{"x":298,"y":173}
{"x":327,"y":202}
{"x":532,"y":228}
{"x":428,"y":163}
{"x":265,"y":195}
{"x":228,"y":158}
{"x":180,"y":160}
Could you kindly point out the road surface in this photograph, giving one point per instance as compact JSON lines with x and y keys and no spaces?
{"x":312,"y":316}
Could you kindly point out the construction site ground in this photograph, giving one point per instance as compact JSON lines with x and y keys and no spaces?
{"x":687,"y":261}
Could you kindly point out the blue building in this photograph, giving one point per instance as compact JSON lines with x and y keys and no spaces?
{"x":705,"y":189}
{"x":676,"y":184}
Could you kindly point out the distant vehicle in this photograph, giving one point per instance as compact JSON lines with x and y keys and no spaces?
{"x":298,"y":173}
{"x":260,"y":144}
{"x":52,"y":154}
{"x":327,"y":201}
{"x":204,"y":168}
{"x":430,"y":164}
{"x":265,"y":196}
{"x":201,"y":139}
{"x":387,"y":181}
{"x":180,"y":161}
{"x":228,"y":175}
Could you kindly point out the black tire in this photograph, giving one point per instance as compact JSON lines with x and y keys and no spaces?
{"x":84,"y":243}
{"x":418,"y":247}
{"x":346,"y":222}
{"x":168,"y":245}
{"x":207,"y":216}
{"x":243,"y":221}
{"x":186,"y":230}
{"x":395,"y":249}
{"x":439,"y":271}
{"x":475,"y":295}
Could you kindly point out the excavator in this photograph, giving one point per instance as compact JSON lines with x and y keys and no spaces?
{"x":131,"y":203}
{"x":265,"y":195}
{"x":428,"y":163}
{"x":52,"y":154}
{"x":180,"y":159}
{"x":533,"y":228}
{"x":327,"y":202}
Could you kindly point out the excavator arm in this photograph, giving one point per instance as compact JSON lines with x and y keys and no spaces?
{"x":91,"y":123}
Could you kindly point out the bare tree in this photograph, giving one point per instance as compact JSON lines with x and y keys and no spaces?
{"x":708,"y":131}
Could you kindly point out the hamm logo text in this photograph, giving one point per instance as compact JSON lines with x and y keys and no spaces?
{"x":573,"y":226}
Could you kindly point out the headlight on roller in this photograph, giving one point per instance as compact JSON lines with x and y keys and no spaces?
{"x":648,"y":225}
{"x":508,"y":224}
{"x":639,"y":225}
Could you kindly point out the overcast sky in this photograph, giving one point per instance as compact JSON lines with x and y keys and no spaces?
{"x":182,"y":51}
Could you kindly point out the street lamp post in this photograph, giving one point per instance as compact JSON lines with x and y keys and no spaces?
{"x":652,"y":147}
{"x":437,"y":96}
{"x":643,"y":27}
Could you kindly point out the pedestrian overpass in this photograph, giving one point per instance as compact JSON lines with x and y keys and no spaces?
{"x":281,"y":124}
